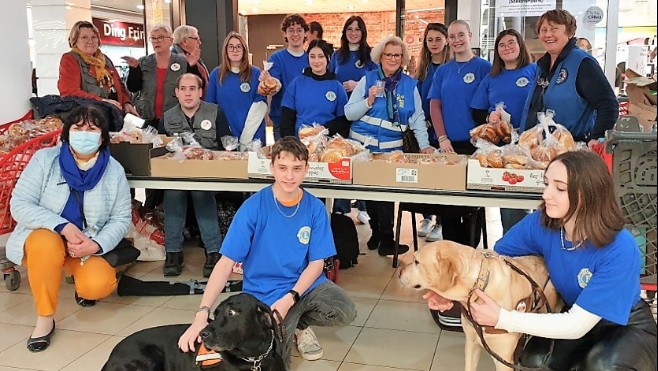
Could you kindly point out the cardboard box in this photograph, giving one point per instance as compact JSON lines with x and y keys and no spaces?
{"x":642,"y":99}
{"x":492,"y":179}
{"x":135,"y":157}
{"x":170,"y":168}
{"x":318,"y":172}
{"x":429,"y":175}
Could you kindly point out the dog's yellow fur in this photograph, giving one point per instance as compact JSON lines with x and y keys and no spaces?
{"x":451,"y":270}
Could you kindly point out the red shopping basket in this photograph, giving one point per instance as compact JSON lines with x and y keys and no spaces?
{"x":599,"y":149}
{"x":11,"y":166}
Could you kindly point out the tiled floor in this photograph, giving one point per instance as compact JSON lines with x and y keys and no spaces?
{"x":393,"y":329}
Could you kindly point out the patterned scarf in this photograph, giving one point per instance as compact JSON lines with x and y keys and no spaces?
{"x":97,"y":60}
{"x":390,"y":83}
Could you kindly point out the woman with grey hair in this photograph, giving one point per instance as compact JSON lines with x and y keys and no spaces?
{"x":154,"y":76}
{"x":384,"y":104}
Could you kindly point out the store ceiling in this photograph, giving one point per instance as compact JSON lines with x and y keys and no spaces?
{"x":252,"y":7}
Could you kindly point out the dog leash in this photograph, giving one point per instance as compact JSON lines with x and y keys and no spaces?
{"x":537,"y":304}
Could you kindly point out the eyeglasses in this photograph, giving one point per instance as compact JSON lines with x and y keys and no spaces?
{"x":459,"y":36}
{"x":158,"y":39}
{"x":86,"y":39}
{"x":390,"y":56}
{"x":234,"y":48}
{"x":197,"y":38}
{"x":295,"y":30}
{"x":509,"y":45}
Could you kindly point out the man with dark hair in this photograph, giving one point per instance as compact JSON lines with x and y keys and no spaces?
{"x":208,"y":124}
{"x":282,"y":235}
{"x":287,"y":63}
{"x":315,"y":31}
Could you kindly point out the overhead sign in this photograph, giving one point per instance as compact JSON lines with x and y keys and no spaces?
{"x":120,"y":33}
{"x":524,"y":8}
{"x":593,"y":14}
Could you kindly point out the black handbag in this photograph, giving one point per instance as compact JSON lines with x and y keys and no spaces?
{"x":124,"y":253}
{"x":409,"y":142}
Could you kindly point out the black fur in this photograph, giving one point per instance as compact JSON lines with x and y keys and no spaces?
{"x":243,"y":327}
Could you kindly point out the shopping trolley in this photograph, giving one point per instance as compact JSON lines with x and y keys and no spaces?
{"x":12,"y":164}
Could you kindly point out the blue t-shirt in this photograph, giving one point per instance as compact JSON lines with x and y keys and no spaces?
{"x":236,"y":98}
{"x":424,"y":88}
{"x":285,"y":68}
{"x":511,"y":87}
{"x":274,"y":249}
{"x":454,"y":84}
{"x":604,"y":281}
{"x":315,"y":101}
{"x":351,"y":69}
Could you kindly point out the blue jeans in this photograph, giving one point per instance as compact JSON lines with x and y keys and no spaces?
{"x":205,"y":209}
{"x":342,"y":205}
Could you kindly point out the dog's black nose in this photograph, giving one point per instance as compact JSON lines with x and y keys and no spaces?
{"x":416,"y":286}
{"x":204,"y":334}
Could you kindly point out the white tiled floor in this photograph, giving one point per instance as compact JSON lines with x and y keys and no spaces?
{"x":393,"y":329}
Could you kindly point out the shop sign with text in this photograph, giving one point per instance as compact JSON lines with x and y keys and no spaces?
{"x":120,"y":33}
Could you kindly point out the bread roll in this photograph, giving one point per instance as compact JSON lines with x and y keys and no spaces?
{"x":331,"y":155}
{"x":565,"y":139}
{"x":495,"y":159}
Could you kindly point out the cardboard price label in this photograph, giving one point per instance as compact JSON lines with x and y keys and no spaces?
{"x":403,"y":175}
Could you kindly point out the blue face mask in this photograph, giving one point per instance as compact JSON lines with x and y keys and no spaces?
{"x":84,"y":142}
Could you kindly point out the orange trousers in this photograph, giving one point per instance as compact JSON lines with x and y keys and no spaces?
{"x":45,"y":256}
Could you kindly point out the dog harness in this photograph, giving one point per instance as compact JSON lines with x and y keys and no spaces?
{"x":207,"y":357}
{"x":535,"y":301}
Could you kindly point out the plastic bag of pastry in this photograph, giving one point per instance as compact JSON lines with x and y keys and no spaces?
{"x":488,"y":154}
{"x":564,"y":138}
{"x":150,"y":135}
{"x":269,"y":85}
{"x":315,"y":144}
{"x":188,"y":138}
{"x":230,"y":143}
{"x":175,"y":146}
{"x":397,"y":157}
{"x":532,"y":137}
{"x":504,"y":126}
{"x":315,"y":129}
{"x":516,"y":157}
{"x":197,"y":153}
{"x":254,"y":145}
{"x":502,"y":114}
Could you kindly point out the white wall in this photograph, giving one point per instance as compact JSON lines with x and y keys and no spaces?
{"x":15,"y":66}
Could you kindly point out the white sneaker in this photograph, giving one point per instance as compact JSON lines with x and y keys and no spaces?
{"x":307,"y":344}
{"x":425,"y":228}
{"x":363,"y":217}
{"x":436,"y":234}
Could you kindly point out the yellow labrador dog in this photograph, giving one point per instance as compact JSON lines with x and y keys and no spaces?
{"x":454,"y":271}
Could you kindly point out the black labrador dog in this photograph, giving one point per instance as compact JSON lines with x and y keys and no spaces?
{"x":244,"y":332}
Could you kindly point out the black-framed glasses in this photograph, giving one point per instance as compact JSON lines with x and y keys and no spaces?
{"x":234,"y":48}
{"x":158,"y":39}
{"x":195,"y":38}
{"x":390,"y":56}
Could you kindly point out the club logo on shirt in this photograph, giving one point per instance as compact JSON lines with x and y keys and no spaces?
{"x":175,"y":67}
{"x":304,"y":235}
{"x":400,"y":99}
{"x":358,"y":64}
{"x":206,"y":124}
{"x":562,"y":77}
{"x":245,"y":87}
{"x":583,"y":277}
{"x":522,"y":81}
{"x":331,"y":96}
{"x":469,"y":77}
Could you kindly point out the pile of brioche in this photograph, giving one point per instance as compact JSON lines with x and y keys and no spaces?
{"x":20,"y":132}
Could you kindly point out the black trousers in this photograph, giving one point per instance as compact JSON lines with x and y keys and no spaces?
{"x":608,"y":346}
{"x":382,"y":215}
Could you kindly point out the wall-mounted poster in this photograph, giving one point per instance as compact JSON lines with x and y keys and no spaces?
{"x":523,"y":8}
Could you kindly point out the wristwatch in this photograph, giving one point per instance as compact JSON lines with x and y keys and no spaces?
{"x":295,"y":296}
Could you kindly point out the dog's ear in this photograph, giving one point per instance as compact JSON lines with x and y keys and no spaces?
{"x":264,"y":314}
{"x":447,"y":271}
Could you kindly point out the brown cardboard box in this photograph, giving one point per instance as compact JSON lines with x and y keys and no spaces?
{"x":641,"y":99}
{"x":339,"y":172}
{"x":135,"y":157}
{"x":429,"y":175}
{"x":166,"y":167}
{"x":492,"y":179}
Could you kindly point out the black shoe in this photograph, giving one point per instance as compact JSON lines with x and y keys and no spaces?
{"x":41,"y":343}
{"x":173,"y":264}
{"x":374,"y":241}
{"x":211,"y":259}
{"x":389,"y":249}
{"x":84,"y":302}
